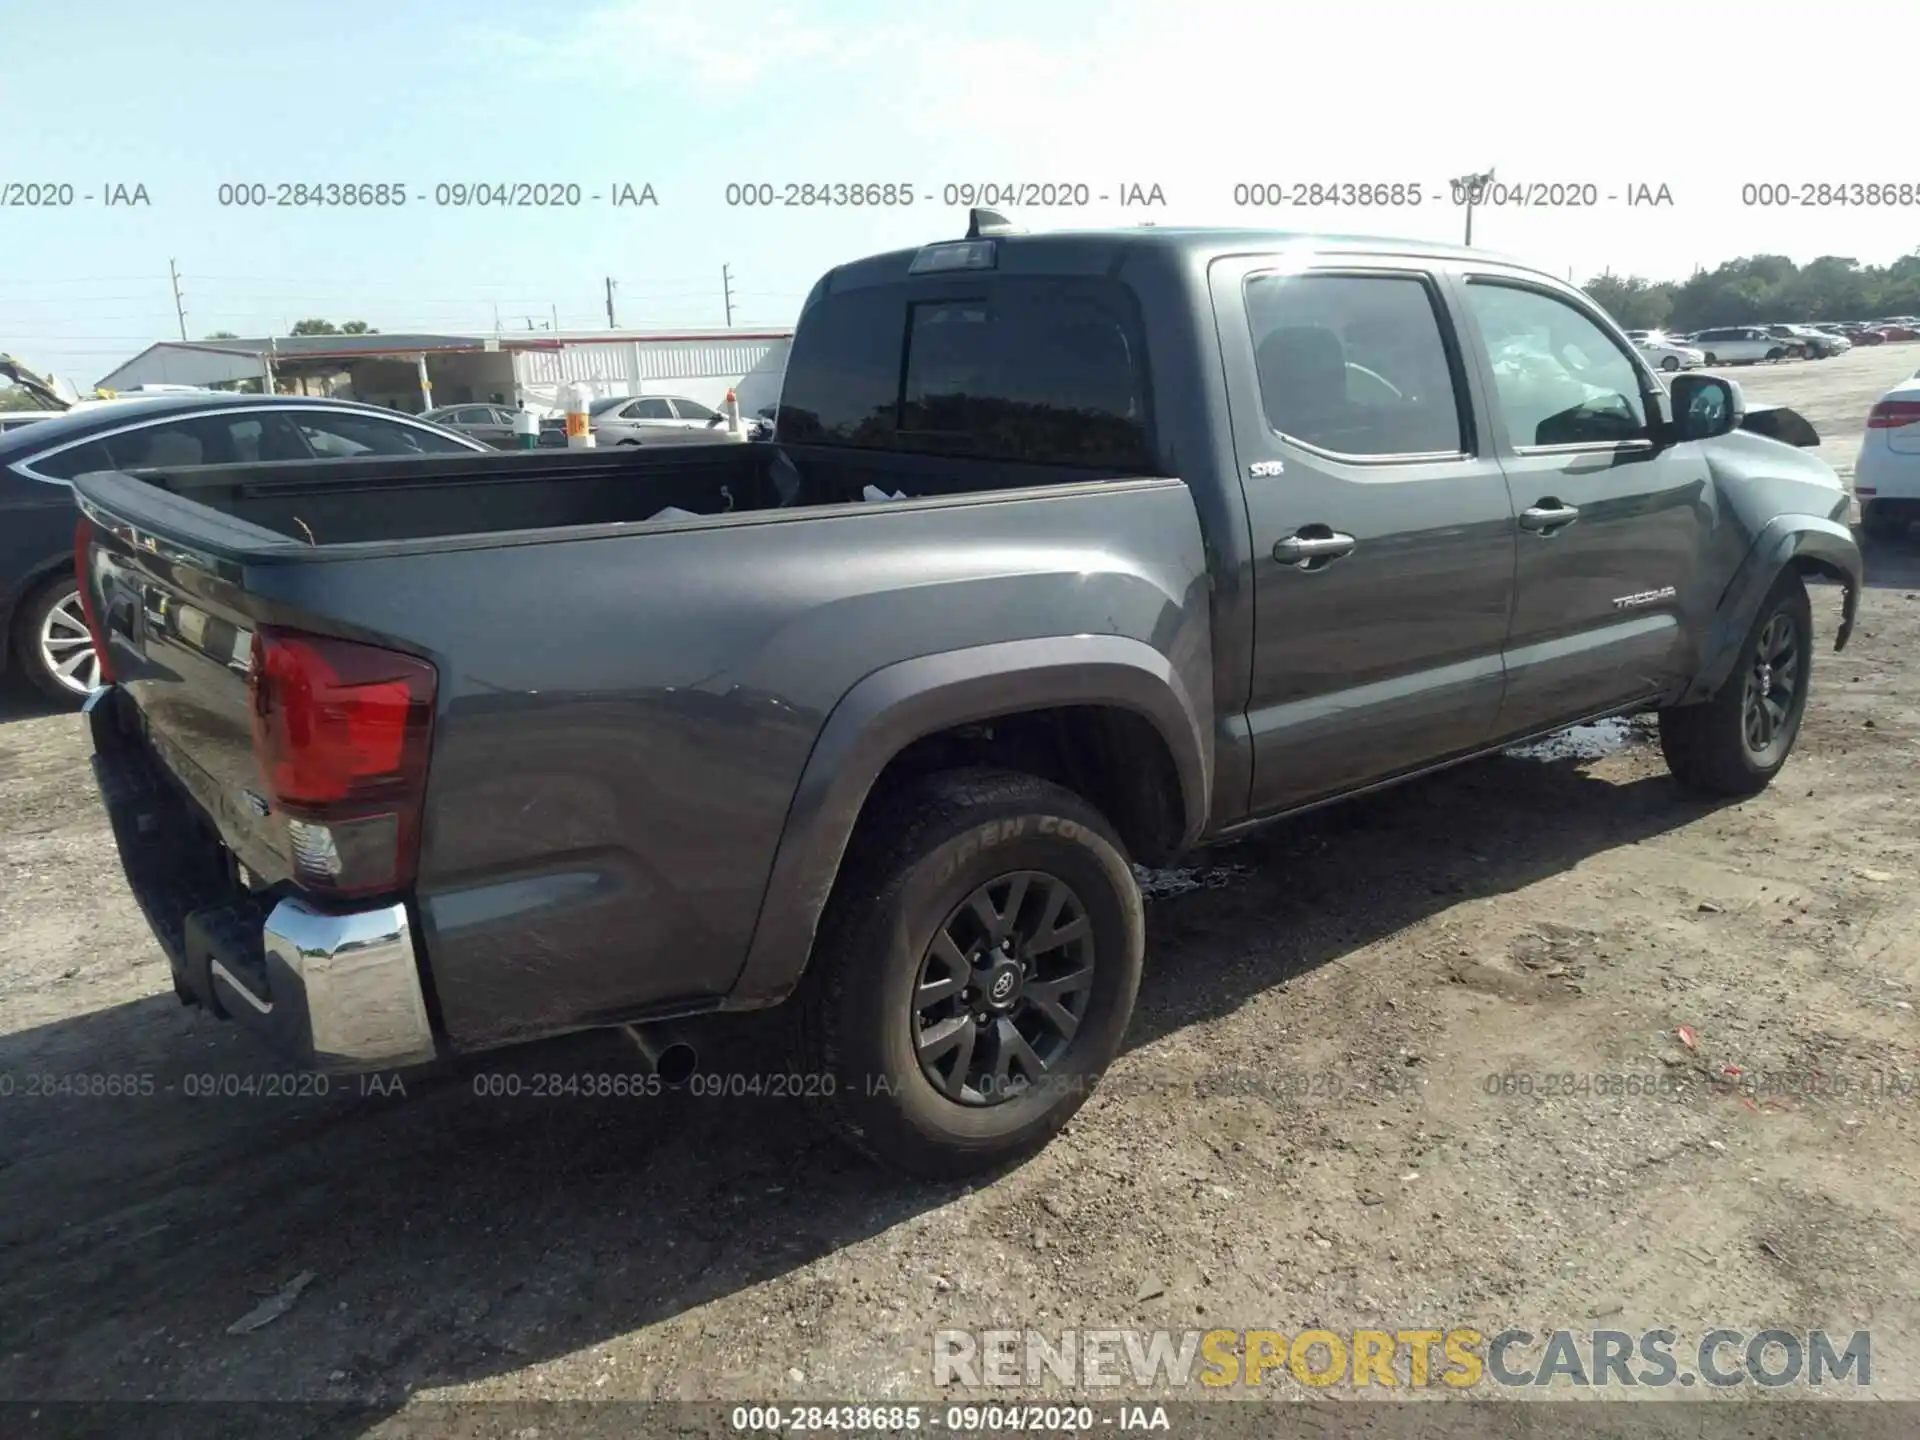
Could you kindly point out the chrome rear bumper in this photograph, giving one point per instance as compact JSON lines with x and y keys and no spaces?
{"x":335,"y":990}
{"x":342,"y":990}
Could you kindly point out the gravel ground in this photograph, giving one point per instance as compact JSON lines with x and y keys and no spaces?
{"x":1322,"y":1116}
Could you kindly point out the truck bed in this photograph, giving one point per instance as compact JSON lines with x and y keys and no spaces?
{"x":623,"y":711}
{"x":384,"y":499}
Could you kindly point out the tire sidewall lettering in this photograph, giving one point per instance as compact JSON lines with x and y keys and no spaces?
{"x":965,"y":848}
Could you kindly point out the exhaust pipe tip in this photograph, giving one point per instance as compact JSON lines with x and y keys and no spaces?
{"x":676,"y":1063}
{"x":672,"y":1058}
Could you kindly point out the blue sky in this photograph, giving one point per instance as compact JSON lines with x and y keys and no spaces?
{"x":1192,"y":95}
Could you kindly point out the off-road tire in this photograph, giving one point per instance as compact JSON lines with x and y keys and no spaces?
{"x":1706,"y":744}
{"x":924,"y":850}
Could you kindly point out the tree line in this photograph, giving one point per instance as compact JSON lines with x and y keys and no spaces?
{"x":312,"y":327}
{"x":1762,"y":289}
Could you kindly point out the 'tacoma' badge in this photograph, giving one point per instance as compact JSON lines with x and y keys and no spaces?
{"x":1645,"y":597}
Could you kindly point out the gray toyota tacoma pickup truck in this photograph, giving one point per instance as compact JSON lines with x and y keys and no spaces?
{"x":1071,"y":551}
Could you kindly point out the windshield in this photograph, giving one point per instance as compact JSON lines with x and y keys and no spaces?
{"x":600,"y":407}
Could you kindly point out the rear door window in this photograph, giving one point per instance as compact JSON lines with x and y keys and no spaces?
{"x":246,"y":438}
{"x":76,"y":460}
{"x":1037,"y":371}
{"x":1355,"y":364}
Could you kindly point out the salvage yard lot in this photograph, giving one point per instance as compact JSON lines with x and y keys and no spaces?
{"x":1333,"y":1107}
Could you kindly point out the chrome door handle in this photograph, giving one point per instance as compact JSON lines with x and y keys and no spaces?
{"x":1303,"y":550}
{"x":1544,"y":519}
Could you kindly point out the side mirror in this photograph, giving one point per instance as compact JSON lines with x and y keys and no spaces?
{"x":1705,"y":406}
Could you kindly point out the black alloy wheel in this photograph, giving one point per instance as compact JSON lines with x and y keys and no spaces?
{"x":1003,"y":987}
{"x":1735,"y":742}
{"x":1772,"y":688}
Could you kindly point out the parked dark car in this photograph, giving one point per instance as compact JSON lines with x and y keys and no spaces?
{"x":1799,"y":346}
{"x":1811,"y":343}
{"x":42,"y":629}
{"x":493,"y":425}
{"x":1069,"y":551}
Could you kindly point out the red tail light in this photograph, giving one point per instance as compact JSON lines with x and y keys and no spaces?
{"x":83,"y":571}
{"x":341,"y":733}
{"x":1893,"y":414}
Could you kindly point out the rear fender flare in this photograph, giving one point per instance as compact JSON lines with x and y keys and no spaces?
{"x":1785,"y":541}
{"x":903,"y":702}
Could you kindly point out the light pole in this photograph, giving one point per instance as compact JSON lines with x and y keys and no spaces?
{"x":1469,"y":190}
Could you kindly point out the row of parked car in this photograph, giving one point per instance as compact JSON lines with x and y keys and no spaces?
{"x":1751,"y":344}
{"x":612,"y":420}
{"x":43,"y":628}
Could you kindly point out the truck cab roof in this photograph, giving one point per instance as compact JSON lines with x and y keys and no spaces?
{"x":1100,"y":251}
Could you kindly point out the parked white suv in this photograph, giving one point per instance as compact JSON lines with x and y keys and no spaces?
{"x":1737,"y":345}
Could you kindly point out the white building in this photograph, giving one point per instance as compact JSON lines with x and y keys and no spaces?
{"x":416,"y":372}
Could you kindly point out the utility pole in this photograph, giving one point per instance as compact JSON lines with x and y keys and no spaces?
{"x":1470,"y":190}
{"x":556,"y":318}
{"x":179,"y":310}
{"x":726,"y":289}
{"x":612,"y":324}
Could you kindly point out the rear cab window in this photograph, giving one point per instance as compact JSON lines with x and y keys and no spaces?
{"x":1038,"y":370}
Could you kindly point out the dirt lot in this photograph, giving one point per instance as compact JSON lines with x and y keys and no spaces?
{"x":1307,"y":1127}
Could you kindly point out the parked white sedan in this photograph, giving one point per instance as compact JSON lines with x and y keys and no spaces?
{"x":1886,"y":477}
{"x":1665,"y":352}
